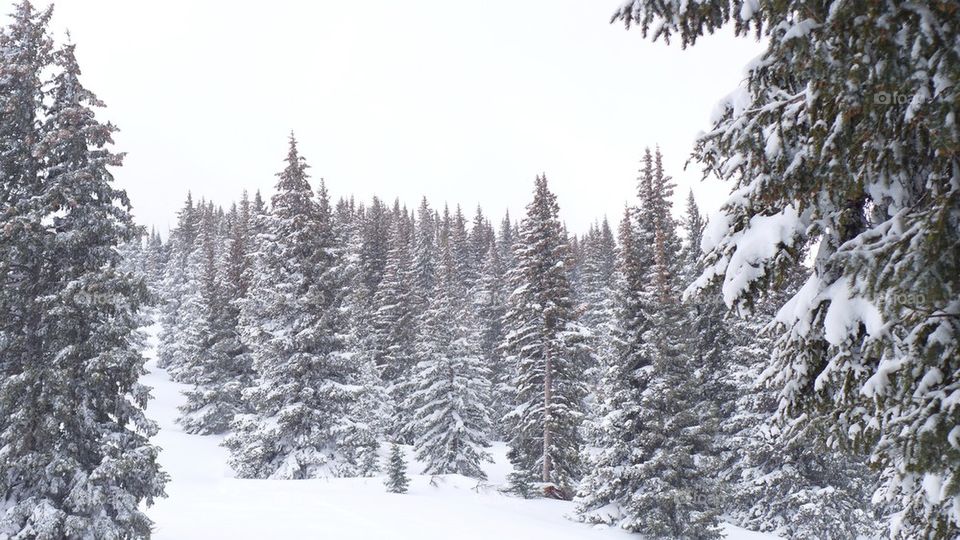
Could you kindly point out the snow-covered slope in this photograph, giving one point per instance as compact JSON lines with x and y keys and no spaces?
{"x":206,"y":502}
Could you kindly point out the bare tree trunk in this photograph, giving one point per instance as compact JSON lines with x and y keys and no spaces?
{"x":547,"y":398}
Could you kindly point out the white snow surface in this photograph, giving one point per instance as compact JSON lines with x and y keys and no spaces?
{"x":205,"y":501}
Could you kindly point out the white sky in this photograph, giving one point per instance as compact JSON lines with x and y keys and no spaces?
{"x":464,"y":102}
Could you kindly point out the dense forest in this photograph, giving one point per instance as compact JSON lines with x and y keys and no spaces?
{"x":788,"y":364}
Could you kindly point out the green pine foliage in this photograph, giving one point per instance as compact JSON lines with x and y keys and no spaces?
{"x":841,"y":145}
{"x":397,"y":480}
{"x":546,"y":345}
{"x":75,"y":456}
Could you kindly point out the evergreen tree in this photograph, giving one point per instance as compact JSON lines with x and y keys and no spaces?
{"x":292,"y":320}
{"x":797,"y":488}
{"x":650,"y":475}
{"x":397,"y":481}
{"x":175,"y":288}
{"x":491,"y":303}
{"x":220,"y":370}
{"x":450,"y":383}
{"x":545,"y":343}
{"x":77,"y":462}
{"x":393,"y":332}
{"x":424,"y":263}
{"x":822,"y":156}
{"x":595,"y":296}
{"x":25,"y":52}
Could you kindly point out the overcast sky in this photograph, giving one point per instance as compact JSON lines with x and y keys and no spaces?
{"x":464,"y":102}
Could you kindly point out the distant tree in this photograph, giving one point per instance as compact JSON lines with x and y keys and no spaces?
{"x":450,"y":388}
{"x":651,"y":475}
{"x":397,"y":480}
{"x":546,"y":344}
{"x":293,"y":322}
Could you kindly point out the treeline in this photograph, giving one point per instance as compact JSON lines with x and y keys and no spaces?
{"x":313,"y":330}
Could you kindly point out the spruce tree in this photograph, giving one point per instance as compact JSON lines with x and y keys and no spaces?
{"x":545,"y":343}
{"x":393,"y":326}
{"x":490,"y":297}
{"x":302,"y":425}
{"x":450,"y":383}
{"x":77,"y":462}
{"x":220,"y":369}
{"x":595,"y":298}
{"x":175,"y":288}
{"x":650,"y":476}
{"x":841,"y":144}
{"x":397,"y":481}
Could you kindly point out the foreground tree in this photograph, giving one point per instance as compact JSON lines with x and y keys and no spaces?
{"x":795,"y":488}
{"x":843,"y":139}
{"x":76,"y":457}
{"x":547,"y":346}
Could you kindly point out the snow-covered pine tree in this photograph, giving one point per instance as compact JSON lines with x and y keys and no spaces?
{"x":609,"y":487}
{"x":450,"y":383}
{"x":154,"y":262}
{"x":372,"y":412}
{"x":376,"y":245}
{"x":796,"y":488}
{"x":199,"y":304}
{"x":481,"y":237}
{"x":393,"y":330}
{"x":843,"y":140}
{"x":710,"y":344}
{"x":25,"y":52}
{"x":221,"y":369}
{"x":490,"y":297}
{"x":292,"y":320}
{"x":545,"y":343}
{"x":649,"y":476}
{"x":77,"y":461}
{"x":397,"y":480}
{"x":175,"y":288}
{"x":505,"y":239}
{"x":595,"y":297}
{"x":424,"y":255}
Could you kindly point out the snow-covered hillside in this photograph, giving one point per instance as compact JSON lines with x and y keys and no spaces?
{"x":206,"y":502}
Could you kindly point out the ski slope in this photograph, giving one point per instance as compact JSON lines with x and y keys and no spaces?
{"x":206,"y":502}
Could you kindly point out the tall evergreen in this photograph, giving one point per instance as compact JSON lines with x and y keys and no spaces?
{"x":77,"y":462}
{"x":825,"y":156}
{"x":490,"y":298}
{"x":175,"y":288}
{"x":650,"y":476}
{"x":545,"y":343}
{"x":595,"y":298}
{"x":393,"y":328}
{"x":796,"y":488}
{"x":220,"y":369}
{"x":450,"y":384}
{"x":303,"y":403}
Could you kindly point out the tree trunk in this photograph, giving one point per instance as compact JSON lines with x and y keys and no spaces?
{"x":547,"y":397}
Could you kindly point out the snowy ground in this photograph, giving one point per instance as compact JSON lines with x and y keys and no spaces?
{"x":205,"y":501}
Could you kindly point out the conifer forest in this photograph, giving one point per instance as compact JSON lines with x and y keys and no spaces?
{"x":297,"y":360}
